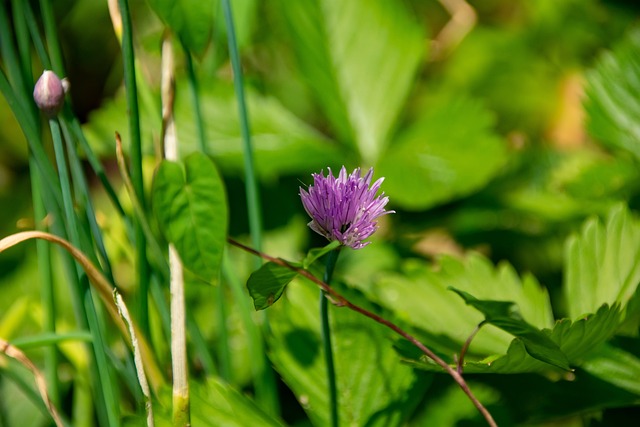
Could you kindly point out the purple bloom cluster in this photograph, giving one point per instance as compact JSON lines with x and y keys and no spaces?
{"x":344,"y":208}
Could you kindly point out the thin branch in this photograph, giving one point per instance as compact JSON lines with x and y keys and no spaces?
{"x":341,"y":301}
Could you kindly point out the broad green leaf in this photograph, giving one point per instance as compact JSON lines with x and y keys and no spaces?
{"x":283,"y":144}
{"x":360,"y":58}
{"x":374,"y":387}
{"x":505,"y":316}
{"x":613,"y":96}
{"x":437,"y":160}
{"x":189,"y":201}
{"x":601,"y":263}
{"x":575,"y":339}
{"x":421,"y":297}
{"x":191,"y":20}
{"x":267,"y":284}
{"x":308,"y":37}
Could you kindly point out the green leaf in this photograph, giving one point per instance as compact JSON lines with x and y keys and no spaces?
{"x":430,"y":163}
{"x":339,"y":44}
{"x":575,"y":339}
{"x":191,"y":20}
{"x":505,"y":316}
{"x":267,"y":284}
{"x":374,"y":387}
{"x":613,"y":97}
{"x":421,"y":298}
{"x":601,"y":263}
{"x":189,"y":202}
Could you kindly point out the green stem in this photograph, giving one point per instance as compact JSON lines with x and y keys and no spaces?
{"x":104,"y":378}
{"x":224,"y":352}
{"x":332,"y":258}
{"x":46,"y":287}
{"x":136,"y":160}
{"x":51,"y":35}
{"x":253,"y":199}
{"x":266,"y":388}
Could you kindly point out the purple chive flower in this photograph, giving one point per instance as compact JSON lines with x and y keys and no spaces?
{"x":344,"y":208}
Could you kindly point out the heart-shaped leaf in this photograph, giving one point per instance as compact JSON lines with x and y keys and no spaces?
{"x":190,"y":204}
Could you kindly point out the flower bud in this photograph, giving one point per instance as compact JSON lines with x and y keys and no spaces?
{"x":49,"y":93}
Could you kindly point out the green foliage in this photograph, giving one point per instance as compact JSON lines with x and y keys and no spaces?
{"x":374,"y":387}
{"x":429,"y":162}
{"x":340,"y":45}
{"x":191,"y":20}
{"x":283,"y":144}
{"x":421,"y":297}
{"x":212,"y":400}
{"x":189,"y":202}
{"x":267,"y":284}
{"x":505,"y":316}
{"x":602,"y":265}
{"x":613,"y":96}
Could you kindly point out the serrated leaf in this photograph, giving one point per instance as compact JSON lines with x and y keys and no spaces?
{"x":575,"y":339}
{"x":190,"y":205}
{"x":267,"y":284}
{"x":431,"y":162}
{"x":191,"y":20}
{"x":613,"y":96}
{"x":374,"y":387}
{"x":421,"y":298}
{"x":505,"y":316}
{"x":601,"y":263}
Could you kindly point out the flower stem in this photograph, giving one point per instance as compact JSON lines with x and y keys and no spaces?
{"x":332,"y":258}
{"x":341,"y":301}
{"x":136,"y":160}
{"x":266,"y":387}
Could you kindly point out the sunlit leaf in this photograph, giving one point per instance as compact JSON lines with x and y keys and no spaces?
{"x":190,"y":204}
{"x":437,"y":160}
{"x":601,"y":263}
{"x":374,"y":387}
{"x":505,"y":316}
{"x":421,"y":297}
{"x":613,"y":96}
{"x":575,"y":339}
{"x":361,"y":58}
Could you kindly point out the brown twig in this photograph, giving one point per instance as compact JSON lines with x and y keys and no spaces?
{"x":465,"y":347}
{"x":341,"y":301}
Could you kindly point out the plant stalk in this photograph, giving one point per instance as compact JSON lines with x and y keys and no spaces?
{"x":332,"y":258}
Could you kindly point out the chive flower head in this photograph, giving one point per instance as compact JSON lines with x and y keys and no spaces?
{"x":344,"y":208}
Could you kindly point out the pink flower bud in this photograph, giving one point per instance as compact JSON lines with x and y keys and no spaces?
{"x":49,"y":93}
